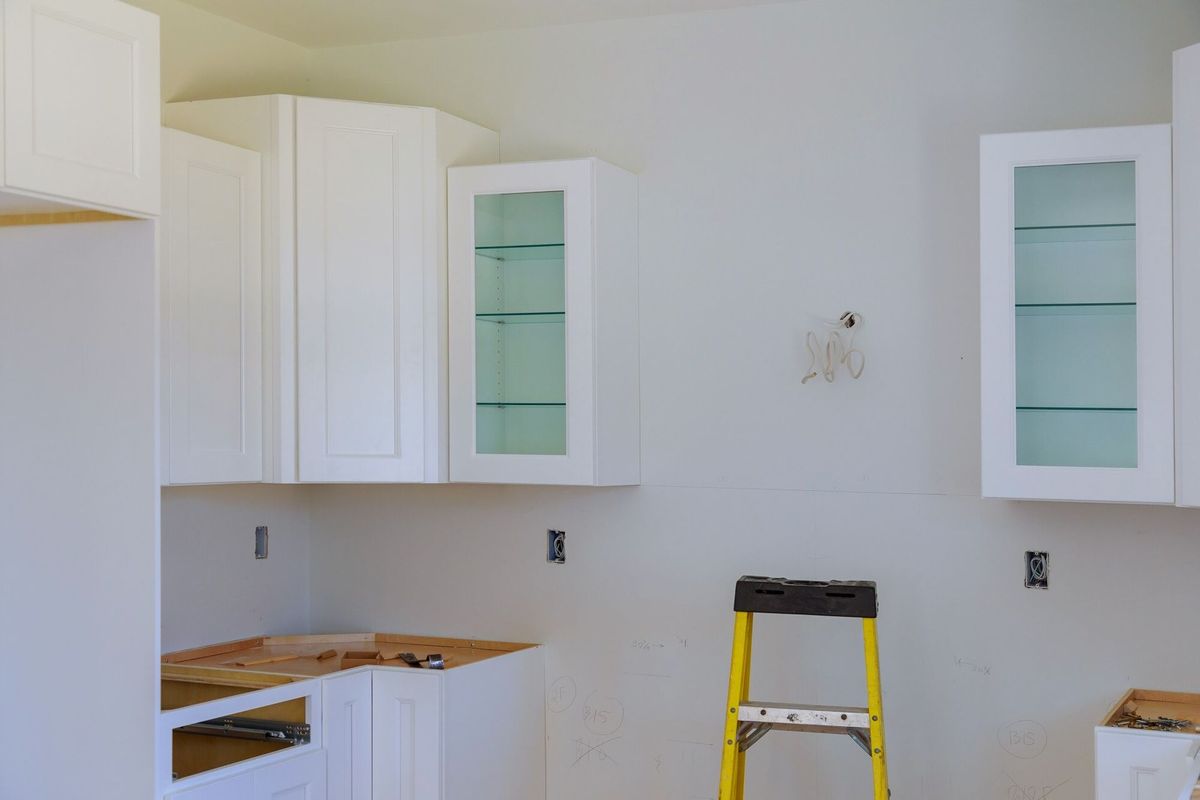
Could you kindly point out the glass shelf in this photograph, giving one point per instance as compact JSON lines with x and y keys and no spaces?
{"x":1074,"y":305}
{"x":1067,"y":437}
{"x":522,"y":252}
{"x":520,"y":405}
{"x":1075,"y":227}
{"x":523,"y":317}
{"x":1071,"y":408}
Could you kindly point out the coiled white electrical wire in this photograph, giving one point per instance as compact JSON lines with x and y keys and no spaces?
{"x":825,"y":356}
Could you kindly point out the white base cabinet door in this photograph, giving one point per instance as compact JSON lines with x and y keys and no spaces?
{"x":1145,"y":765}
{"x":211,"y":279}
{"x":81,"y":106}
{"x":544,"y":324}
{"x":1076,"y":304}
{"x":407,"y":741}
{"x":300,"y":778}
{"x":346,"y":724}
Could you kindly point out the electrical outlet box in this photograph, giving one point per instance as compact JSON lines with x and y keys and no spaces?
{"x":556,"y":547}
{"x":1037,"y":569}
{"x":260,"y":541}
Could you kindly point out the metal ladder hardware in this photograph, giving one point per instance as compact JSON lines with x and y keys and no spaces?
{"x":747,"y":721}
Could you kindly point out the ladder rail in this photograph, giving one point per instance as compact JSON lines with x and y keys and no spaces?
{"x":746,"y":722}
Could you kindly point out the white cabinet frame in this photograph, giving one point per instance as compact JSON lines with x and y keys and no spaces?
{"x":1186,"y":162}
{"x":601,"y":286}
{"x":1152,"y":481}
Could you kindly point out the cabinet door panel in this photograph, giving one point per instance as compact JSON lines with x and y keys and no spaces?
{"x":212,"y":280}
{"x":86,"y":134}
{"x":347,"y":726}
{"x":238,"y":787}
{"x":300,"y":778}
{"x":361,"y":255}
{"x":407,"y":741}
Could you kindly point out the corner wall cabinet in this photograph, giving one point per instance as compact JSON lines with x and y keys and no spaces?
{"x":544,"y":324}
{"x":211,"y":280}
{"x":354,"y":280}
{"x":1076,"y":305}
{"x":85,"y":132}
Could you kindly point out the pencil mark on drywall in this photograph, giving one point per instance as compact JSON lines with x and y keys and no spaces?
{"x":967,"y":665}
{"x":1024,"y":738}
{"x":646,"y":674}
{"x":603,"y":715}
{"x":562,"y":694}
{"x":646,"y":644}
{"x":586,"y":750}
{"x":1018,"y":792}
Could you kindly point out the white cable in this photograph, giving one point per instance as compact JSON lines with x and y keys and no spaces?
{"x":825,"y":357}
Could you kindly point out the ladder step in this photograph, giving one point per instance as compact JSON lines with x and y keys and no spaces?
{"x":811,"y":718}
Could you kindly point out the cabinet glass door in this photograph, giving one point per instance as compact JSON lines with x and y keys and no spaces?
{"x":1075,"y":246}
{"x":520,"y":324}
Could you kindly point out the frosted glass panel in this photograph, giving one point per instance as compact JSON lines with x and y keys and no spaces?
{"x":1075,"y":273}
{"x":520,"y":324}
{"x":1088,"y":438}
{"x":1077,"y":356}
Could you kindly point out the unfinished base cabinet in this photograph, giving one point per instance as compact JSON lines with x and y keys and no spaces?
{"x":377,"y":731}
{"x":1136,"y":764}
{"x":1076,"y":303}
{"x":544,"y":324}
{"x":211,"y":281}
{"x":81,"y":108}
{"x":354,"y":277}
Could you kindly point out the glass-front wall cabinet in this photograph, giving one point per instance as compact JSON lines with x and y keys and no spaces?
{"x":520,"y":324}
{"x":543,"y":341}
{"x":1076,"y":312}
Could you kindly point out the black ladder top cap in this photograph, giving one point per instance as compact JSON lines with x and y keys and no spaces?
{"x":761,"y":595}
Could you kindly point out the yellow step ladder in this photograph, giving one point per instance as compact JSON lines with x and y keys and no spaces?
{"x":748,"y":721}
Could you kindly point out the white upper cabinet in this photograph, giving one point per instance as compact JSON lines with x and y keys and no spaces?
{"x":354,"y":226}
{"x":1186,"y":134}
{"x":544,"y":324}
{"x":1076,"y":304}
{"x":81,"y":105}
{"x":211,"y":268}
{"x":361,"y":247}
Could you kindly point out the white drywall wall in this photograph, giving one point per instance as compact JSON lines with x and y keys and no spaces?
{"x":204,"y":55}
{"x":78,"y":511}
{"x":214,"y":589}
{"x":795,"y":160}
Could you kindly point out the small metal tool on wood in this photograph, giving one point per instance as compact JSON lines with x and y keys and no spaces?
{"x":434,"y":660}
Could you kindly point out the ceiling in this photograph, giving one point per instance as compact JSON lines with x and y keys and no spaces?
{"x":324,"y":23}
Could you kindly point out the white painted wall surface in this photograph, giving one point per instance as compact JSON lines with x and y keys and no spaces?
{"x":78,"y":511}
{"x":804,"y":158}
{"x":204,"y":55}
{"x":214,"y":589}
